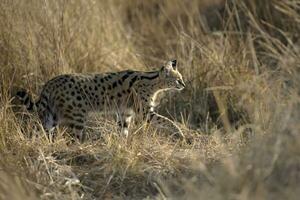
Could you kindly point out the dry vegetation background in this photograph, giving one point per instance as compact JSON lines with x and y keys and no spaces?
{"x":241,"y":110}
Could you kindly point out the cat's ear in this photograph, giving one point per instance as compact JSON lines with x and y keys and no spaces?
{"x":165,"y":70}
{"x":172,"y":64}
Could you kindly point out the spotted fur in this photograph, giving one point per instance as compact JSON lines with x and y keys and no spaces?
{"x":67,"y":99}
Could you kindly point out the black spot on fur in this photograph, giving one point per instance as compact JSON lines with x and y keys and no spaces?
{"x":114,"y":84}
{"x":43,"y":96}
{"x":132,"y":81}
{"x":125,"y":76}
{"x":80,"y":120}
{"x":43,"y":104}
{"x":151,"y":77}
{"x":130,"y":72}
{"x":78,"y":98}
{"x":78,"y":115}
{"x":68,"y":110}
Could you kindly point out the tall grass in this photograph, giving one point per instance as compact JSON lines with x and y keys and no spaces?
{"x":240,"y":110}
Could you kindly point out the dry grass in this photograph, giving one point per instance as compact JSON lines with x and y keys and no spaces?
{"x":241,"y":107}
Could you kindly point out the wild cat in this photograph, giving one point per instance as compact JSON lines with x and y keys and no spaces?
{"x":67,"y":99}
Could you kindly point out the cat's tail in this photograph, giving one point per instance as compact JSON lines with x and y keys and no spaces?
{"x":25,"y":98}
